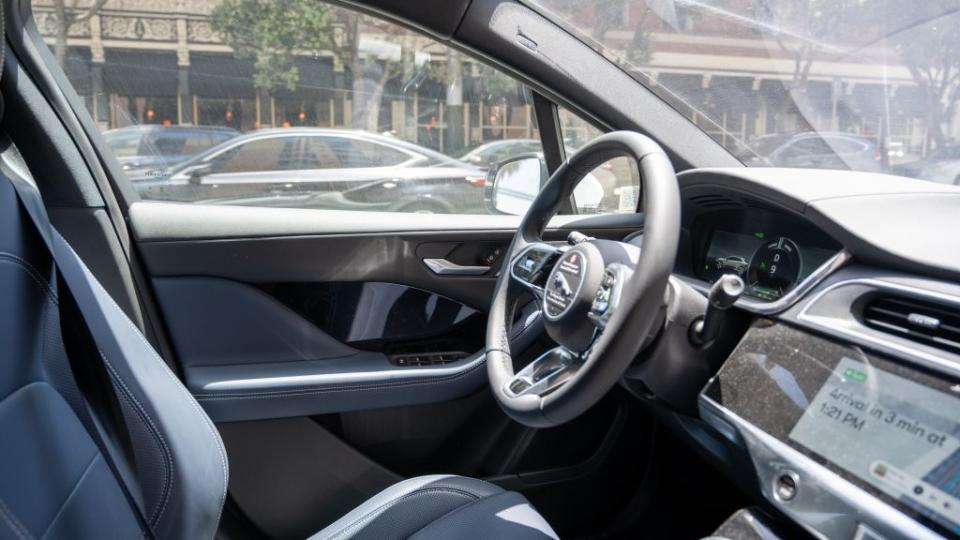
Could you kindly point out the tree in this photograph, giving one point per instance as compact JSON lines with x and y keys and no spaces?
{"x":66,"y":17}
{"x":274,"y":33}
{"x":370,"y":74}
{"x":805,"y":30}
{"x":930,"y":50}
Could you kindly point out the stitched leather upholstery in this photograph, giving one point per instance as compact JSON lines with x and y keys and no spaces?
{"x":55,"y":483}
{"x":440,"y":506}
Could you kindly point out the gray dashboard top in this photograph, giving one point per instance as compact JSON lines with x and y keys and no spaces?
{"x":886,"y":220}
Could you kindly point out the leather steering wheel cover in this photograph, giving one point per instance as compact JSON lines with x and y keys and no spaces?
{"x":642,"y":297}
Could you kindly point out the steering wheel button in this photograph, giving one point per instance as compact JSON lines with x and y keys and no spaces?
{"x":519,"y":386}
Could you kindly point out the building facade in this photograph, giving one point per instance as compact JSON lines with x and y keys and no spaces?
{"x":161,"y":61}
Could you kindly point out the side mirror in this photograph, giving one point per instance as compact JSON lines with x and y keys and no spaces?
{"x":197,"y":172}
{"x":516,"y":183}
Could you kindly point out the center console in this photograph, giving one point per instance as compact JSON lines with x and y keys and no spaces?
{"x":849,"y":444}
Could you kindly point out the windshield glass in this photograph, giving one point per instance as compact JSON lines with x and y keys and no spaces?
{"x":868,"y":85}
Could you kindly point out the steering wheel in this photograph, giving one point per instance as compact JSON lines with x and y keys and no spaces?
{"x":600,"y":299}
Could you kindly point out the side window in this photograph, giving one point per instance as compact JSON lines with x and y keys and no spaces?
{"x":170,"y":145}
{"x":808,"y":146}
{"x":356,"y":153}
{"x":613,"y":187}
{"x":194,"y":144}
{"x":378,"y":93}
{"x":314,"y":152}
{"x":123,"y":145}
{"x":256,"y":156}
{"x":840,"y":146}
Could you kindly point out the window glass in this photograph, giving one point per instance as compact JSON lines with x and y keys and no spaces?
{"x":755,"y":74}
{"x":276,"y":153}
{"x":359,"y":153}
{"x":843,"y":145}
{"x":613,"y":187}
{"x":172,"y":82}
{"x":809,"y":145}
{"x":123,"y":145}
{"x":169,"y":145}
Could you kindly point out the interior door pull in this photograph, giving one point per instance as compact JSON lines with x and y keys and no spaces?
{"x":444,"y":267}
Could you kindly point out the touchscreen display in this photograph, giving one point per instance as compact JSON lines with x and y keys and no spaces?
{"x":885,"y":425}
{"x":897,"y":435}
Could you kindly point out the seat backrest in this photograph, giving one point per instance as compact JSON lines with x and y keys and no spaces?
{"x":54,"y":481}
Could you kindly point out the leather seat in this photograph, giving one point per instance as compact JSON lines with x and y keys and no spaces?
{"x":58,"y":476}
{"x":441,"y":506}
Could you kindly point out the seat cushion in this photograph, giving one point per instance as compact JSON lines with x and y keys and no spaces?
{"x":441,"y":506}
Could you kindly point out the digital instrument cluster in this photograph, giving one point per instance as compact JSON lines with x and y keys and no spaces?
{"x":771,"y":252}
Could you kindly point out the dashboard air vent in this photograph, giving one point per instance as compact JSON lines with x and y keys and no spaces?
{"x":930,"y":323}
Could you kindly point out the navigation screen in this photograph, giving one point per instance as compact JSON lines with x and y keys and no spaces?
{"x":898,"y":436}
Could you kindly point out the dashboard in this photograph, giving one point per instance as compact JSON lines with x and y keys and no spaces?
{"x":842,"y":386}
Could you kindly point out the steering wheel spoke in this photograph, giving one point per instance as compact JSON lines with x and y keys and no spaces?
{"x":533,"y":264}
{"x":608,"y":296}
{"x":545,"y":374}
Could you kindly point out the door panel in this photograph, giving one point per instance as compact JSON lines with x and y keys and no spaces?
{"x":321,"y":315}
{"x":246,"y":355}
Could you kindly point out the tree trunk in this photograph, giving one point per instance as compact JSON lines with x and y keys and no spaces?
{"x":63,"y":28}
{"x":453,"y":134}
{"x":369,"y":79}
{"x":934,"y":119}
{"x":409,"y":72}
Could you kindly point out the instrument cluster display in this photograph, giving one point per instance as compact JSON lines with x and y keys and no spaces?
{"x":772,"y":258}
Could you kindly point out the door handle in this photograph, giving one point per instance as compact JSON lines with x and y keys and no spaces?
{"x":443,"y":267}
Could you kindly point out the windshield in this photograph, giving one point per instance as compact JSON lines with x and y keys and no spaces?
{"x":869,"y":85}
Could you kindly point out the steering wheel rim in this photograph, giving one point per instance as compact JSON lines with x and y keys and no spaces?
{"x":642,"y":294}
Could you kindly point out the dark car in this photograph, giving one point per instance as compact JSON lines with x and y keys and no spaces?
{"x":324,"y":168}
{"x":942,"y":165}
{"x":146,"y":151}
{"x":489,"y":154}
{"x":814,"y":150}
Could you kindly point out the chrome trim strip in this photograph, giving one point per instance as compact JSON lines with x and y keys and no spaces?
{"x":443,"y":267}
{"x":788,"y":300}
{"x":281,"y":383}
{"x":912,"y":350}
{"x":826,"y":505}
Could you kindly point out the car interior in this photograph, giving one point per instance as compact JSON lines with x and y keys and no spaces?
{"x":627,"y":333}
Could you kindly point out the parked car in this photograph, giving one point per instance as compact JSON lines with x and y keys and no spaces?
{"x":324,"y":168}
{"x":732,"y":262}
{"x":489,"y":154}
{"x":942,"y":165}
{"x":147,"y":151}
{"x":814,"y":150}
